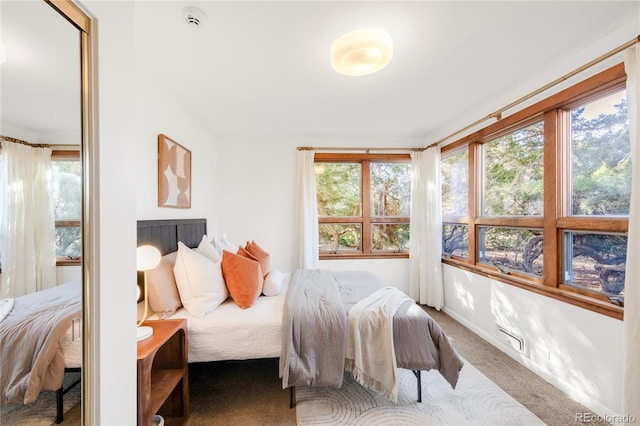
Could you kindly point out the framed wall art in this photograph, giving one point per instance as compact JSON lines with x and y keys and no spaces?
{"x":174,"y":174}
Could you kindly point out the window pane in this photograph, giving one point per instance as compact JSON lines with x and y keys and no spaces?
{"x":68,"y":241}
{"x":390,"y":237}
{"x":338,"y":238}
{"x":601,"y":157}
{"x":513,"y":173}
{"x":455,"y":240}
{"x":455,"y":184}
{"x":390,"y":189}
{"x":338,"y":189}
{"x":595,"y":261}
{"x":511,"y":249}
{"x":67,"y":189}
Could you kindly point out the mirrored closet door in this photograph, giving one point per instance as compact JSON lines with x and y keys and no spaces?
{"x":44,"y":128}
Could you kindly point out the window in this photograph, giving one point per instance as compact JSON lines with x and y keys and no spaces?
{"x":513,"y":173}
{"x":540,"y":199}
{"x":363,"y":204}
{"x":66,"y":179}
{"x":599,"y":188}
{"x":455,"y":209}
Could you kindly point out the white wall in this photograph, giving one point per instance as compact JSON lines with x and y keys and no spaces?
{"x":257,"y":196}
{"x":112,"y":322}
{"x":577,"y":350}
{"x":131,"y":114}
{"x":65,"y":274}
{"x":157,"y":112}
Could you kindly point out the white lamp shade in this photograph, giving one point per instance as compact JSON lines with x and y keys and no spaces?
{"x":148,"y":257}
{"x":361,"y":52}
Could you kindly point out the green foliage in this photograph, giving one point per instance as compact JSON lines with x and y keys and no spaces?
{"x":455,"y":240}
{"x":338,"y":189}
{"x":600,"y":162}
{"x":513,"y":179}
{"x":454,"y":171}
{"x":67,"y":190}
{"x":68,"y":241}
{"x":390,"y":189}
{"x":391,"y":237}
{"x":67,"y":199}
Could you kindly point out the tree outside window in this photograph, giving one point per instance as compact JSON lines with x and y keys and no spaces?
{"x":541,"y":199}
{"x":363,"y":204}
{"x":66,"y":178}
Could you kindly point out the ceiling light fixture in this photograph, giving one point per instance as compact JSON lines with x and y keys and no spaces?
{"x":361,"y":52}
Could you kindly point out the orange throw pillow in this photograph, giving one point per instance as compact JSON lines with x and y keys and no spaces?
{"x":259,"y":253}
{"x":243,"y":277}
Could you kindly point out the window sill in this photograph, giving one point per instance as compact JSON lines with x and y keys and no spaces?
{"x":63,"y":261}
{"x":567,"y":296}
{"x":363,"y":256}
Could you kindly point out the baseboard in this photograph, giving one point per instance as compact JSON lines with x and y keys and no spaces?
{"x":572,"y":392}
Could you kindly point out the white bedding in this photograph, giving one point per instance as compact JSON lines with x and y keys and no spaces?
{"x":231,"y":333}
{"x":5,"y":307}
{"x":72,"y":345}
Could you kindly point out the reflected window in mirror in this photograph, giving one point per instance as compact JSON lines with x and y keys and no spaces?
{"x":66,"y":180}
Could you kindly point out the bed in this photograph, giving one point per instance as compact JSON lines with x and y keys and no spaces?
{"x":40,"y":341}
{"x":263,"y":330}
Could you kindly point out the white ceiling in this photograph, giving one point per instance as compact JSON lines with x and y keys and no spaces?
{"x":262,"y":68}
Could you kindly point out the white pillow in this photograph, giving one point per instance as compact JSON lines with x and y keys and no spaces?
{"x":171,"y":257}
{"x":225,"y":244}
{"x":207,"y":249}
{"x":199,"y":282}
{"x":273,"y":283}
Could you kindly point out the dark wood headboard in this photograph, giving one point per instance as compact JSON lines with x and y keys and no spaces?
{"x":165,"y":234}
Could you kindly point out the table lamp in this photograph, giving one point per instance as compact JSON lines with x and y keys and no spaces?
{"x":147,"y":258}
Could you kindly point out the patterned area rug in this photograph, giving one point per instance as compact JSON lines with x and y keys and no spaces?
{"x":43,"y":411}
{"x":475,"y":401}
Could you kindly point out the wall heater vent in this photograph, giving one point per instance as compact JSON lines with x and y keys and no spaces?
{"x":511,"y":339}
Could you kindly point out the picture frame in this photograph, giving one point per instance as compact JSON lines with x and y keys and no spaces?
{"x":174,"y":174}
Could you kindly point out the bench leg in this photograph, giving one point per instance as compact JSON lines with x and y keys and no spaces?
{"x":417,"y":373}
{"x":59,"y":406}
{"x":292,"y":396}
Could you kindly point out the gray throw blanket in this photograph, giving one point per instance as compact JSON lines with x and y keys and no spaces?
{"x":314,"y":331}
{"x":31,"y":339}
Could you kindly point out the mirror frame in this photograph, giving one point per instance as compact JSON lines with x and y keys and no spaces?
{"x":82,"y":22}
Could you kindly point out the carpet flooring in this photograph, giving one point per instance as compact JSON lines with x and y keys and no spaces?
{"x":250,"y":393}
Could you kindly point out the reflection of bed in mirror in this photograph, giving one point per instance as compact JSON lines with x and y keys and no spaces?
{"x":40,"y":341}
{"x":42,"y":105}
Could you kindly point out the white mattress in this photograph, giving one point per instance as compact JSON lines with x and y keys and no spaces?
{"x":231,"y":333}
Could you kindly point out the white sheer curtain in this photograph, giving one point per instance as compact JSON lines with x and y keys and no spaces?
{"x":631,"y":396}
{"x":425,"y":273}
{"x":27,"y":226}
{"x":306,"y":212}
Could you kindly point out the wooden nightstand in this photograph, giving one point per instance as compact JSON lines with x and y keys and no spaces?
{"x":163,"y":382}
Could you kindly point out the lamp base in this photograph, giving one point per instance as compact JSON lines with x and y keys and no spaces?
{"x":144,"y":332}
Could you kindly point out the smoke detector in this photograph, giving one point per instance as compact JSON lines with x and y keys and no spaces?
{"x":193,"y":17}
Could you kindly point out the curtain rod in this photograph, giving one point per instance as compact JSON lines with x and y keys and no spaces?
{"x":21,"y":142}
{"x":498,"y":114}
{"x":341,"y":148}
